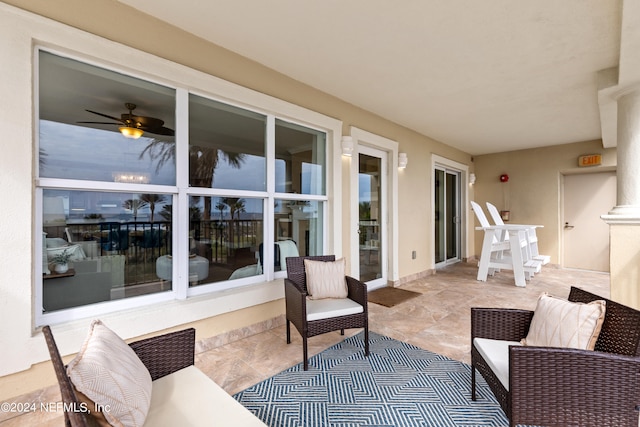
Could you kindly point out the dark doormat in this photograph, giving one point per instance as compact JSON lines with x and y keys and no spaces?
{"x":390,"y":297}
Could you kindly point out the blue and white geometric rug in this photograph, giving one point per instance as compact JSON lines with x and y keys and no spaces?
{"x":397,"y":385}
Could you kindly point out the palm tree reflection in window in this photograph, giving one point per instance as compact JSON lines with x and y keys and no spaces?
{"x":152,"y":200}
{"x":134,"y":205}
{"x":203,"y":162}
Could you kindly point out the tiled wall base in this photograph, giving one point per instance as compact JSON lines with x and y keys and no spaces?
{"x":406,"y":279}
{"x":207,"y":344}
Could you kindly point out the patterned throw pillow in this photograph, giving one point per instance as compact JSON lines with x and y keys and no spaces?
{"x":561,"y":323}
{"x":326,"y":279}
{"x":110,"y":373}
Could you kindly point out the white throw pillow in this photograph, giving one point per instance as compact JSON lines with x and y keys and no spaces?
{"x":561,"y":323}
{"x":326,"y":279}
{"x":110,"y":373}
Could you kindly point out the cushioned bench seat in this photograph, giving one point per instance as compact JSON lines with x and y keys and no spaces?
{"x":172,"y":393}
{"x":189,"y":398}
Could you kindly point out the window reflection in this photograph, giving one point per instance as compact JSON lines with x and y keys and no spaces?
{"x":114,"y":241}
{"x":120,"y":241}
{"x":226,"y":146}
{"x":227,"y":232}
{"x":300,"y":159}
{"x":298,"y":221}
{"x":79,"y":136}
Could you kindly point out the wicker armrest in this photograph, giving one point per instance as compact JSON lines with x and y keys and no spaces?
{"x":295,"y":300}
{"x":500,"y":323}
{"x":168,"y":353}
{"x":294,"y":287}
{"x":559,"y":386}
{"x":357,"y":291}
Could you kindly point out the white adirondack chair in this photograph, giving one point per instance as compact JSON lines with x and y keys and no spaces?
{"x":499,"y":247}
{"x":532,"y":237}
{"x":499,"y":252}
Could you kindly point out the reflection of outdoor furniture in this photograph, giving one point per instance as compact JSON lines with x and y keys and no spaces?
{"x":112,"y":238}
{"x":276,"y":256}
{"x":94,"y":281}
{"x":152,"y":239}
{"x":246,"y":271}
{"x":281,"y":251}
{"x":56,"y":246}
{"x":286,"y":249}
{"x":539,"y":385}
{"x":313,"y":317}
{"x":198,"y":268}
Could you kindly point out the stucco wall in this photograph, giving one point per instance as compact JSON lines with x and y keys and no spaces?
{"x":533,"y":193}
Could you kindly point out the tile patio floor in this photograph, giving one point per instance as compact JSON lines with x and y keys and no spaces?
{"x":438,"y":320}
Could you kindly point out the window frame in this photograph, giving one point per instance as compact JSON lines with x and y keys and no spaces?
{"x":217,"y":90}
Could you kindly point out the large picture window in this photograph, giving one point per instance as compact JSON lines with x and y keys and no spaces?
{"x":110,"y":163}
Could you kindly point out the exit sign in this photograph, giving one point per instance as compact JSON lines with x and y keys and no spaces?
{"x":590,"y":160}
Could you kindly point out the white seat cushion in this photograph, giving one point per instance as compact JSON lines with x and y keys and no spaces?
{"x":189,"y":398}
{"x":331,"y":307}
{"x":496,"y":354}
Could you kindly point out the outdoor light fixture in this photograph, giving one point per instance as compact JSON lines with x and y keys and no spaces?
{"x":131,"y":132}
{"x":472,"y":178}
{"x":402,"y":160}
{"x":347,"y":146}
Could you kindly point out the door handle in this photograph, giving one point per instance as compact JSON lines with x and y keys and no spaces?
{"x":567,"y":226}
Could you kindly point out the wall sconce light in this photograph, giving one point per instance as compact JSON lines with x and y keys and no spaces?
{"x":472,"y":178}
{"x":402,"y":160}
{"x":347,"y":146}
{"x":130,"y":132}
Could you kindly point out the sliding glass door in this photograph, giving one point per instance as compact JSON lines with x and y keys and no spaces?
{"x":447,"y":216}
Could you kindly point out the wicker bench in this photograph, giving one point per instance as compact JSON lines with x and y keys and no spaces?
{"x":563,"y":386}
{"x":181,"y":395}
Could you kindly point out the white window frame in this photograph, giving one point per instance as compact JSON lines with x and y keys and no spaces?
{"x":185,"y":80}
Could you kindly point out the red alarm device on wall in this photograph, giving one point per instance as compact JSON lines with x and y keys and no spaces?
{"x":504,"y":178}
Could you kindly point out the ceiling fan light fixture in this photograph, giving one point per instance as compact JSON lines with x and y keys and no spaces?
{"x":131,"y":132}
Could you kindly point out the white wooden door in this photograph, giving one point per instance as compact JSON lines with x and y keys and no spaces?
{"x":585,"y":234}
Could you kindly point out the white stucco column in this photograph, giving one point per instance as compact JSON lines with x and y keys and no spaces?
{"x":628,"y":193}
{"x":624,"y":218}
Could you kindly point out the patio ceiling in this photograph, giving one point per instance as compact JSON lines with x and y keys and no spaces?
{"x":483,"y":76}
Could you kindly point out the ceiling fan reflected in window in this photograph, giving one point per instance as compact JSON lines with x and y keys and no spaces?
{"x":132,"y":126}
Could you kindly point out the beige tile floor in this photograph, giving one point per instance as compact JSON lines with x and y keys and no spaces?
{"x":438,"y":320}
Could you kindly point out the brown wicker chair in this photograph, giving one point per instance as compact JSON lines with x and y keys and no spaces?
{"x":562,"y":386}
{"x":162,"y":355}
{"x":295,"y":288}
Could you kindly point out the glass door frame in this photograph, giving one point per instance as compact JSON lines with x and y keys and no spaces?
{"x":464,"y":188}
{"x":364,"y":140}
{"x":383,"y":215}
{"x":451,"y":221}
